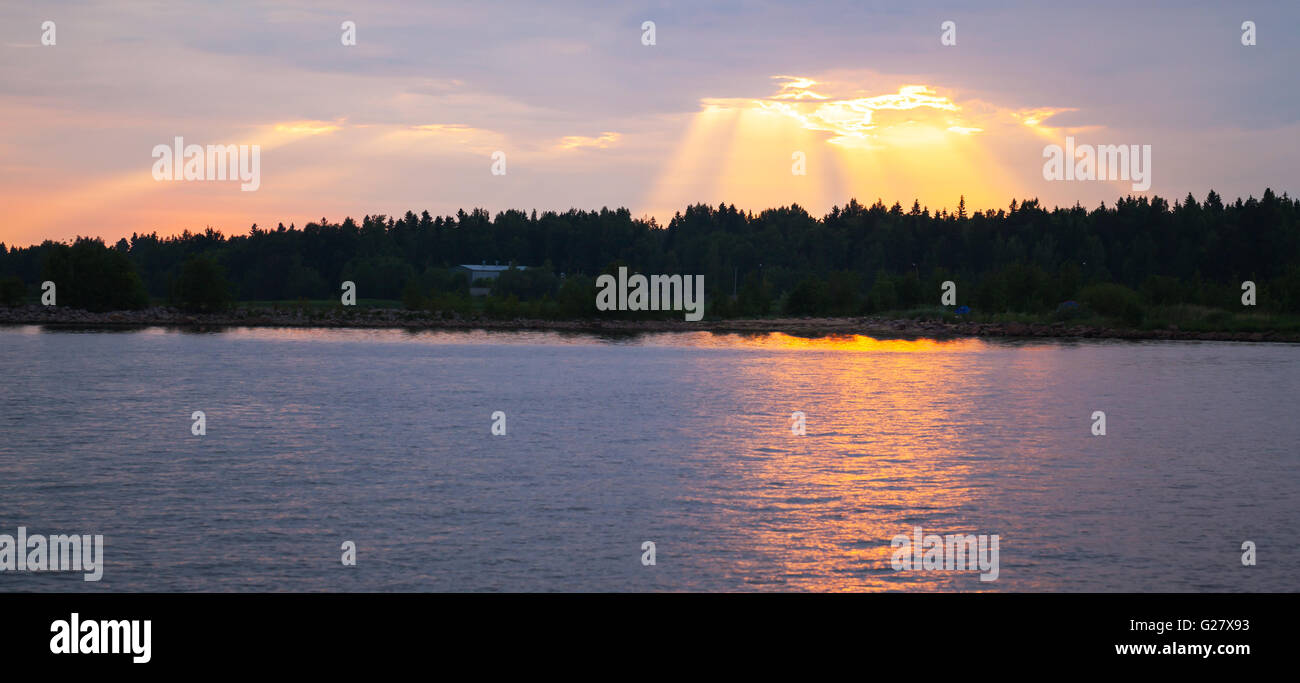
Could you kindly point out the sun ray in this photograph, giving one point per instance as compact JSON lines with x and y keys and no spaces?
{"x":915,"y":142}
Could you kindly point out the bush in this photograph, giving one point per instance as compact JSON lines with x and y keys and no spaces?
{"x":528,"y":284}
{"x":1114,"y":301}
{"x":434,"y":289}
{"x":842,"y":293}
{"x":1162,"y":290}
{"x":1283,"y":294}
{"x":755,"y":298}
{"x":807,"y":298}
{"x":883,"y":296}
{"x":12,"y":291}
{"x":379,"y":277}
{"x":577,"y":297}
{"x":412,"y":298}
{"x":201,"y":286}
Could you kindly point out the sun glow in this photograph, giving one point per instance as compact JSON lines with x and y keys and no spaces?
{"x":912,"y":142}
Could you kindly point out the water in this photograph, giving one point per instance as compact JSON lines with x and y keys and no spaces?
{"x":315,"y":437}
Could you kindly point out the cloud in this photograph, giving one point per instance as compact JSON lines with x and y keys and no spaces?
{"x":580,"y":141}
{"x":853,"y":118}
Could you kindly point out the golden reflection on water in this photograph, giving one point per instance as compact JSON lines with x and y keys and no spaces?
{"x":859,"y":343}
{"x":887,"y":447}
{"x":679,"y":438}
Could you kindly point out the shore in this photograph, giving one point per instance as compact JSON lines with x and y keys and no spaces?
{"x":416,"y":320}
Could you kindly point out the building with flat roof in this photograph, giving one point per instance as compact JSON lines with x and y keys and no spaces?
{"x":483,"y":272}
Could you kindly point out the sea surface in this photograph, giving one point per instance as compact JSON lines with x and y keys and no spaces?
{"x":384,"y":438}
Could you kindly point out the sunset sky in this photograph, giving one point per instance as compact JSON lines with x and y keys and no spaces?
{"x":588,"y":116}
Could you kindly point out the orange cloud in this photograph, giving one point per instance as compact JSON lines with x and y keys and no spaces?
{"x":819,"y":142}
{"x":578,"y":141}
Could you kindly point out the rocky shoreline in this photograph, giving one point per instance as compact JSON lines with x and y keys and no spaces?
{"x":417,"y":320}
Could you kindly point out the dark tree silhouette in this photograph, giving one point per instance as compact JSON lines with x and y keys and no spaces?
{"x":855,"y":259}
{"x":201,"y":286}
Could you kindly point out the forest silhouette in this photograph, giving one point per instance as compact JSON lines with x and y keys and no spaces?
{"x":1121,"y":260}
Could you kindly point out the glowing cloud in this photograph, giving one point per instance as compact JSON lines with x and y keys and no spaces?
{"x":851,"y":121}
{"x":819,"y":142}
{"x":578,"y":141}
{"x":302,"y":128}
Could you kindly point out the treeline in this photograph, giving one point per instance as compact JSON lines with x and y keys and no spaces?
{"x":856,"y":259}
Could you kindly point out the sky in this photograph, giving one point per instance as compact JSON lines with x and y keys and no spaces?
{"x":728,"y":104}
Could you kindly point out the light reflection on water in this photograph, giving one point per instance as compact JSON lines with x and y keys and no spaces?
{"x":316,"y":436}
